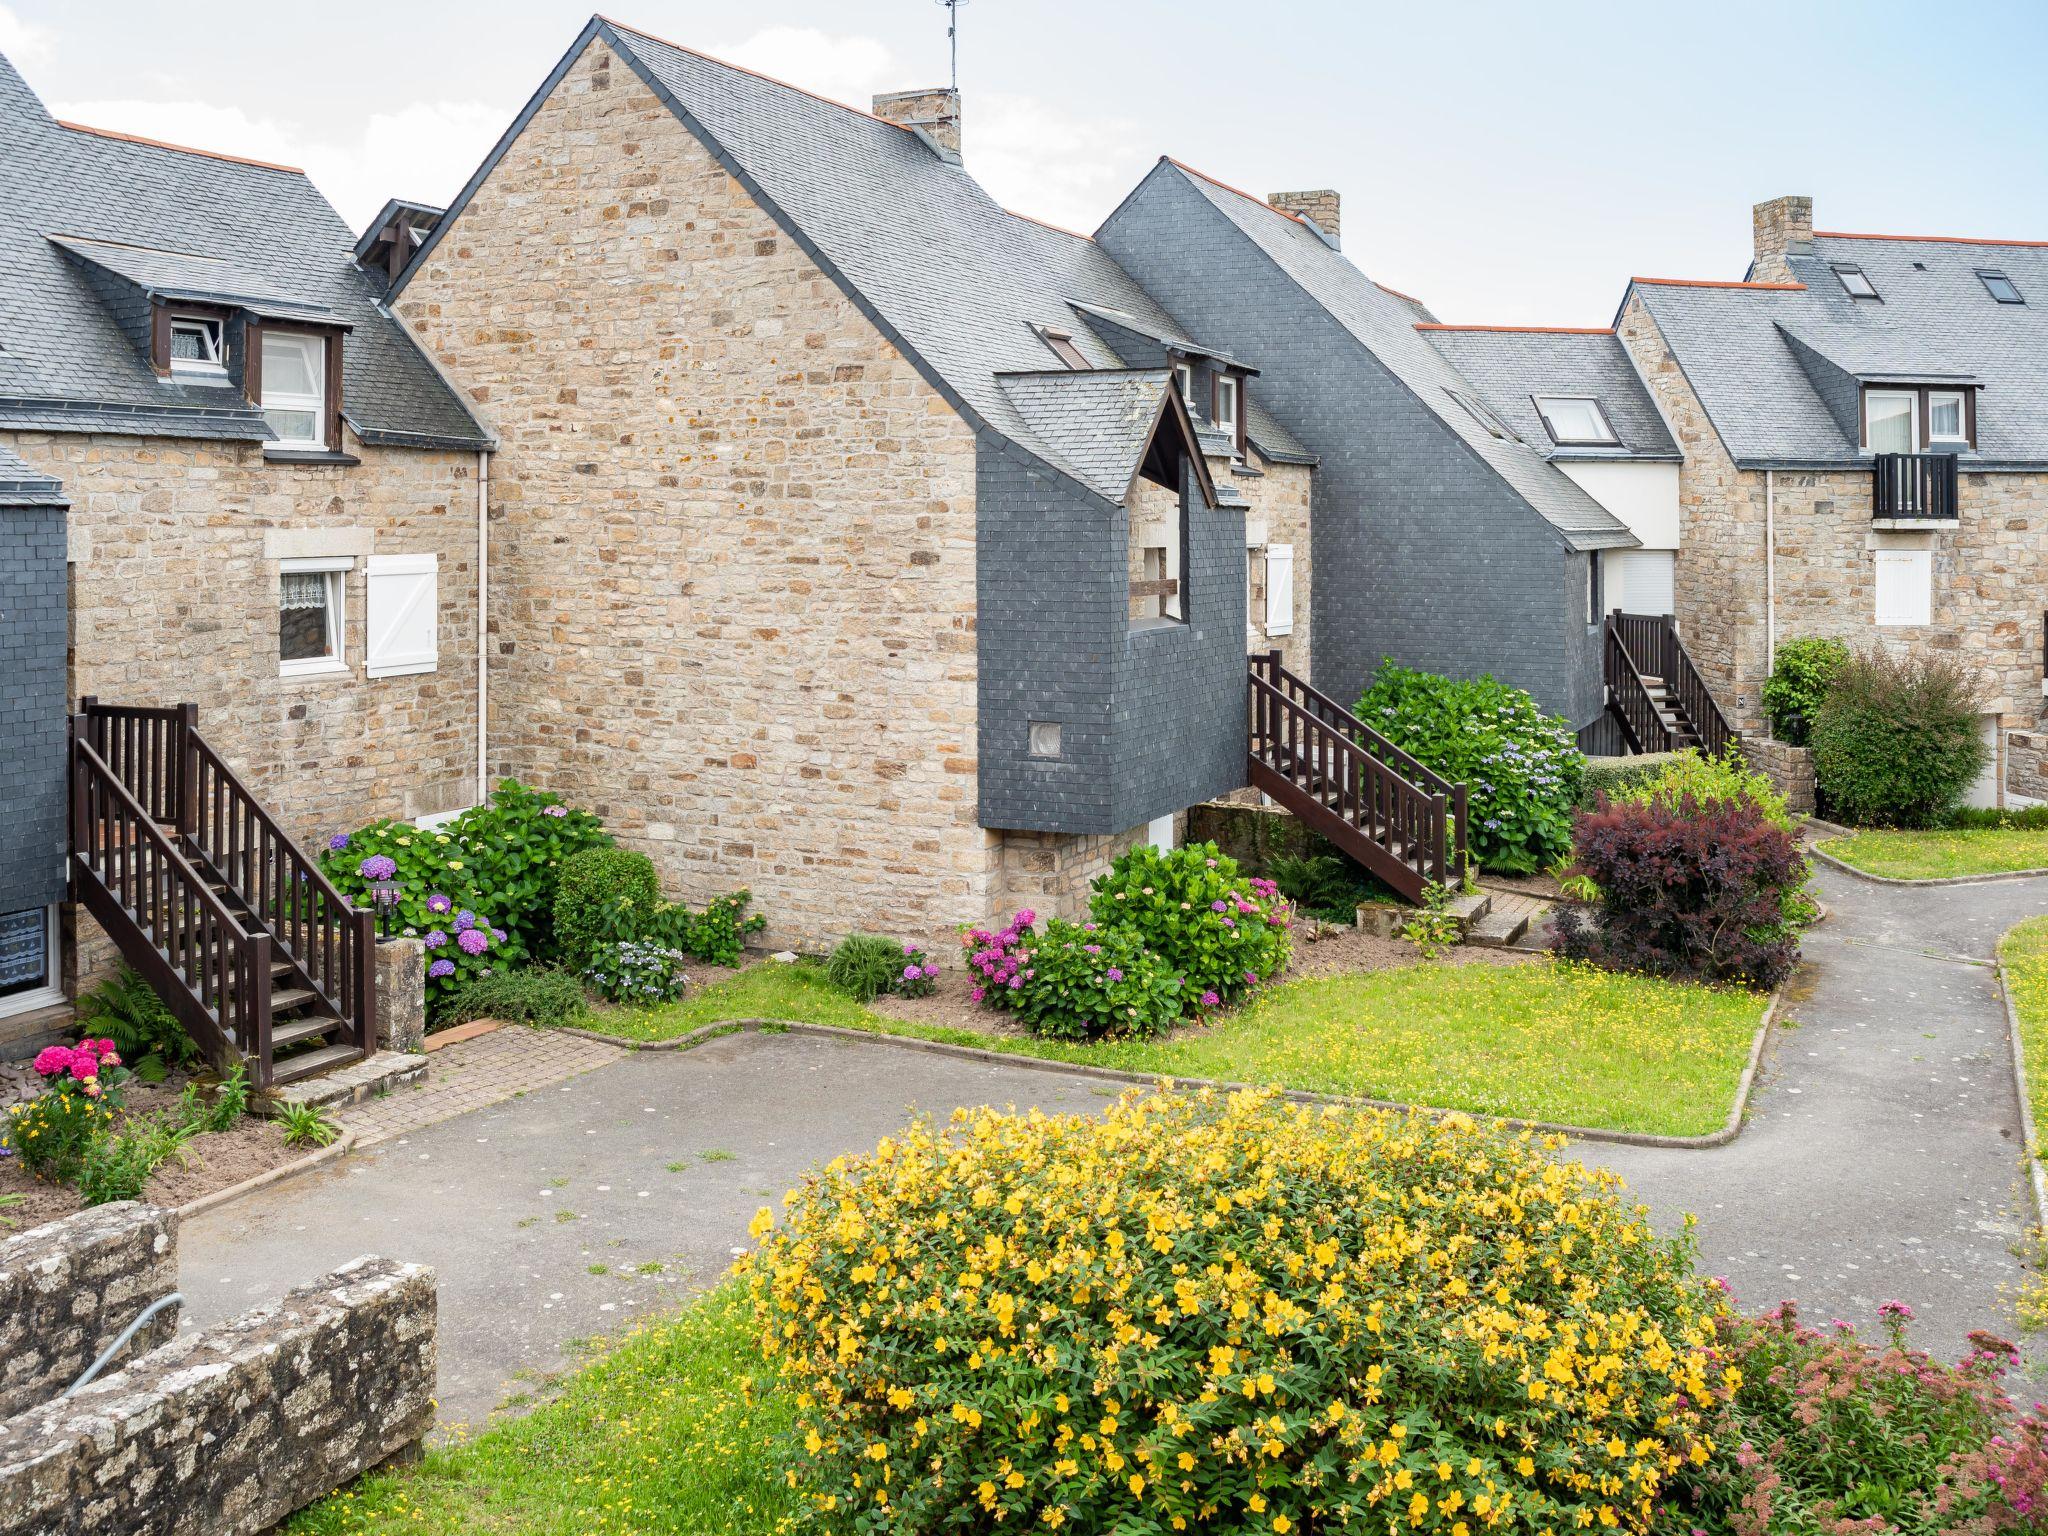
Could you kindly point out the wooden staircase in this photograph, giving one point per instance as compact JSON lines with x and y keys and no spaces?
{"x":1347,"y":782}
{"x":238,"y":930}
{"x":1655,"y":695}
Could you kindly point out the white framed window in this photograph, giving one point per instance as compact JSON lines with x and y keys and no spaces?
{"x":1279,"y":589}
{"x":1184,"y":379}
{"x":311,"y":626}
{"x":401,"y":622}
{"x":1854,"y":282}
{"x":1891,"y":421}
{"x":1946,"y":420}
{"x":1575,"y":419}
{"x":1226,"y":405}
{"x":295,"y":388}
{"x":198,"y":346}
{"x":1905,"y":587}
{"x":28,"y":960}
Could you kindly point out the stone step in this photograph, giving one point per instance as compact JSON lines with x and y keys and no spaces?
{"x":1498,"y":930}
{"x":365,"y":1078}
{"x":1471,"y":909}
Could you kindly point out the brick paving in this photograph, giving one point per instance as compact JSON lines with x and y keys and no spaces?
{"x":470,"y":1074}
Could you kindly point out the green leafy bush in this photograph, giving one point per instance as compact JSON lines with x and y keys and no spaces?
{"x":549,"y":999}
{"x":1801,"y":675}
{"x":603,"y":895}
{"x":866,"y":965}
{"x":1074,"y":981}
{"x":717,"y":935}
{"x":1991,"y":818}
{"x":126,"y":1009}
{"x":1224,"y":933}
{"x":1725,"y":779}
{"x":1220,"y":1313}
{"x":305,"y":1125}
{"x":636,"y":971}
{"x":1327,"y":886}
{"x":118,"y":1166}
{"x":1895,"y":742}
{"x":1610,"y":775}
{"x":517,"y":845}
{"x":1521,"y":767}
{"x":83,"y":1086}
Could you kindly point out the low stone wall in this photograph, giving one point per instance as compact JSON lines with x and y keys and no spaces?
{"x":1788,"y":767}
{"x":402,"y":996}
{"x":2026,"y":764}
{"x":68,"y":1289}
{"x":226,"y":1432}
{"x":1253,"y":834}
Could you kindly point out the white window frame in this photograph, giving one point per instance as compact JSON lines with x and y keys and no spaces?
{"x":1912,"y":399}
{"x":1913,"y":577}
{"x":335,"y":569}
{"x":1184,"y":377}
{"x":52,"y":991}
{"x":1962,"y":432}
{"x":1228,"y":388}
{"x":405,"y":664}
{"x":213,"y":340}
{"x":1279,"y":616}
{"x":1846,"y":270}
{"x":316,"y":402}
{"x":1607,"y":439}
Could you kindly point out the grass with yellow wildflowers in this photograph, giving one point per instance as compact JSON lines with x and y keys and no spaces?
{"x":1943,"y":854}
{"x":1539,"y":1041}
{"x":2023,"y":955}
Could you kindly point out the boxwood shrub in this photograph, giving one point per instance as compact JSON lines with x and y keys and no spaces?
{"x":1895,"y":742}
{"x":1201,"y":1312}
{"x":605,"y":894}
{"x":1520,"y":766}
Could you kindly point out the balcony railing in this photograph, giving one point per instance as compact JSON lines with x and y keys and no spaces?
{"x":1917,"y":485}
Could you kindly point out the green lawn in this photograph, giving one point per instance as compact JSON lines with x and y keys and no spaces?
{"x":2024,"y":951}
{"x":1943,"y":855}
{"x":671,"y":1433}
{"x":1539,"y":1041}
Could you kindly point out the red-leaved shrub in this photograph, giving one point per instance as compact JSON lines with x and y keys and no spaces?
{"x":1687,"y":889}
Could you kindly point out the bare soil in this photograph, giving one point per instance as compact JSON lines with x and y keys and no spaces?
{"x":210,"y":1162}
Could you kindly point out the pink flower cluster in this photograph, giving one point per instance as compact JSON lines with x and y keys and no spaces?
{"x":80,"y":1062}
{"x":1001,"y":959}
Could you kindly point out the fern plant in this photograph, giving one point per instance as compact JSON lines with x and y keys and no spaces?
{"x":125,"y":1008}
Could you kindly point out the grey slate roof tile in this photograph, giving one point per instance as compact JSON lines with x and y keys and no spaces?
{"x":163,"y":218}
{"x":1099,"y":422}
{"x":23,"y":485}
{"x":1509,"y":368}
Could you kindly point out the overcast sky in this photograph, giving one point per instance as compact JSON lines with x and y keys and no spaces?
{"x":1508,"y":162}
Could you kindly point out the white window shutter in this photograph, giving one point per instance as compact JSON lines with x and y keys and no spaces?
{"x":1279,"y":589}
{"x":1905,"y":580}
{"x":403,"y":624}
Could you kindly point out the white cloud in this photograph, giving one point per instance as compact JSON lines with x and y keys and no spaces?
{"x":850,"y":69}
{"x":424,"y":151}
{"x":25,"y":44}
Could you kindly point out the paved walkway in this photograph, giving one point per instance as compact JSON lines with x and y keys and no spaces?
{"x":1882,"y":1160}
{"x":472,"y":1074}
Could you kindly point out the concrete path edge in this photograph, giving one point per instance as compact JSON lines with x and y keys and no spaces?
{"x":1730,"y":1128}
{"x":338,"y":1147}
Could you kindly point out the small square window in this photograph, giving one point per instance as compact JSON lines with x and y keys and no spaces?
{"x":1854,"y":283}
{"x":1999,"y":286}
{"x":196,"y":345}
{"x":309,"y":617}
{"x":1945,"y":418}
{"x":1045,"y":738}
{"x":1575,"y":419}
{"x":1062,"y":344}
{"x":1226,"y":405}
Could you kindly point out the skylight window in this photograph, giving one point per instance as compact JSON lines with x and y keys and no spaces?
{"x":1575,"y":419}
{"x":1999,"y":286}
{"x":1494,"y":426}
{"x":1062,"y":344}
{"x":1854,"y":283}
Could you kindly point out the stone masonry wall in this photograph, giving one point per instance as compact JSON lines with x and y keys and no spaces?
{"x":2026,"y":764}
{"x":1986,"y":595}
{"x":1280,"y":500}
{"x":68,"y":1288}
{"x":1789,"y":768}
{"x":226,"y":1432}
{"x":1050,"y":872}
{"x":733,"y":572}
{"x":175,"y":551}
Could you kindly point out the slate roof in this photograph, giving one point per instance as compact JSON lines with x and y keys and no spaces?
{"x":1509,"y":367}
{"x":1933,"y":320}
{"x":1384,"y":323}
{"x":151,"y":218}
{"x":931,"y":257}
{"x":1269,"y":437}
{"x":23,"y":485}
{"x":1103,"y":419}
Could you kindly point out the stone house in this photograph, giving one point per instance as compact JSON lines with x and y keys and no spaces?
{"x":1864,"y":427}
{"x":229,"y":478}
{"x":855,"y":540}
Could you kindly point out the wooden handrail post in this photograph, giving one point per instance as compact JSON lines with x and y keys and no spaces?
{"x":366,"y":979}
{"x":254,"y":1005}
{"x":1462,"y":805}
{"x":187,"y":782}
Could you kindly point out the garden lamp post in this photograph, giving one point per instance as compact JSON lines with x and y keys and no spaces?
{"x":384,"y":896}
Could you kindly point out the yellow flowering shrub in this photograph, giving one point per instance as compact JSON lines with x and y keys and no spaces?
{"x":1229,"y":1313}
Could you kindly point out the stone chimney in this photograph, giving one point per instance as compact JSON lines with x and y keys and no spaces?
{"x":1784,"y":227}
{"x":1320,"y":205}
{"x":936,"y":112}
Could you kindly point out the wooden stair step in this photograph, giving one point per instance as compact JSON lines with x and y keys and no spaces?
{"x":288,"y":998}
{"x":290,"y":1032}
{"x":311,"y":1063}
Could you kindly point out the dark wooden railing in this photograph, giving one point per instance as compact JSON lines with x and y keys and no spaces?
{"x":1646,"y":645}
{"x":1398,"y":818}
{"x":190,"y":805}
{"x":1690,"y":689}
{"x":1642,"y":725}
{"x":1913,"y":485}
{"x":130,"y":874}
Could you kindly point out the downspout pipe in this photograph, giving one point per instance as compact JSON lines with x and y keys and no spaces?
{"x":1770,"y":571}
{"x":483,"y":626}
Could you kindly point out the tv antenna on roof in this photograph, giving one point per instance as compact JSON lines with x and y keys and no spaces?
{"x":953,"y":36}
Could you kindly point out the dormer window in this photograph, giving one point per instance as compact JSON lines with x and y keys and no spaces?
{"x":1853,"y":282}
{"x":1999,"y":286}
{"x":1062,"y":344}
{"x":1225,"y":415}
{"x":295,"y":389}
{"x":1184,"y":381}
{"x":197,"y":346}
{"x":1575,"y":419}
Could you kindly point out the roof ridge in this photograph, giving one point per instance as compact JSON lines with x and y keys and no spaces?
{"x":183,"y":149}
{"x":1397,"y":293}
{"x":1539,"y":330}
{"x":1058,"y":229}
{"x":1070,"y":373}
{"x":1712,"y":282}
{"x":1845,"y":234}
{"x":1247,"y":196}
{"x":712,"y":58}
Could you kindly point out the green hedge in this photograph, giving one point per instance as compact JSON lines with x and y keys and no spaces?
{"x":1611,"y":775}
